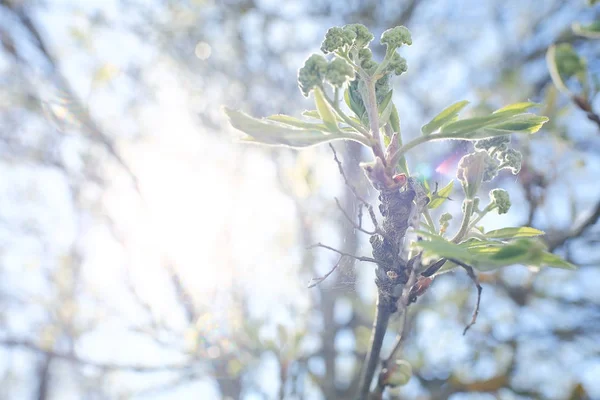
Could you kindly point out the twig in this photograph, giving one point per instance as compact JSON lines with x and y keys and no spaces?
{"x":380,"y":325}
{"x":359,"y":258}
{"x":71,"y":357}
{"x":315,"y":281}
{"x":354,"y":224}
{"x":473,"y":277}
{"x":353,"y":189}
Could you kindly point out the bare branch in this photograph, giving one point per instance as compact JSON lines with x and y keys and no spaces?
{"x":315,"y":281}
{"x":473,"y":277}
{"x":359,"y":258}
{"x":71,"y":357}
{"x":353,"y":189}
{"x":354,"y":224}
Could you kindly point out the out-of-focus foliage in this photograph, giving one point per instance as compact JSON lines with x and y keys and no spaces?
{"x":195,"y":285}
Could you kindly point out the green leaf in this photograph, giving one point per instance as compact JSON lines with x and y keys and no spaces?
{"x":385,"y":109}
{"x":272,"y":133}
{"x":312,"y":114}
{"x":347,"y":98}
{"x":524,"y":123}
{"x":437,"y":245}
{"x":441,"y":196}
{"x":563,"y":64}
{"x":516,"y":108}
{"x":552,"y":260}
{"x":485,"y":255}
{"x":494,"y":125}
{"x":513,"y":233}
{"x":297,"y":123}
{"x":354,"y":101}
{"x":385,"y":102}
{"x":395,"y":119}
{"x":443,"y":118}
{"x":325,"y":111}
{"x":591,"y":31}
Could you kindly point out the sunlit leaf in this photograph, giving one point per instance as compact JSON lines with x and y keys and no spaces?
{"x":486,"y":255}
{"x":443,"y":118}
{"x":516,"y":108}
{"x":513,"y":233}
{"x":325,"y":110}
{"x":295,"y":122}
{"x":436,"y":245}
{"x":385,"y":109}
{"x":385,"y":102}
{"x":441,"y":196}
{"x":271,"y":133}
{"x":312,"y":114}
{"x":395,"y":119}
{"x":494,"y":125}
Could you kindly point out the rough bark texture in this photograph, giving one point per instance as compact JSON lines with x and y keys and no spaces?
{"x":391,"y":274}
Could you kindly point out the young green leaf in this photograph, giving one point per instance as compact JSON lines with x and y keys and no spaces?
{"x":437,"y":245}
{"x":395,"y":119}
{"x":297,"y":123}
{"x":311,"y":114}
{"x":271,"y":133}
{"x":513,"y":233}
{"x":494,"y":125}
{"x":448,"y":115}
{"x":385,"y":102}
{"x":325,"y":111}
{"x":564,"y":63}
{"x":552,"y":260}
{"x":516,"y":108}
{"x":591,"y":31}
{"x":441,"y":196}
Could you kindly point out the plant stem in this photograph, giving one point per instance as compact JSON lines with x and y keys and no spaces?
{"x":380,"y":324}
{"x":417,"y":141}
{"x":373,"y":113}
{"x":429,"y":219}
{"x":480,"y":217}
{"x":464,"y":226}
{"x":336,"y":107}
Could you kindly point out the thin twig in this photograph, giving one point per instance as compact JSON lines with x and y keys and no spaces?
{"x":473,"y":277}
{"x":315,"y":281}
{"x":353,"y":189}
{"x":400,"y":339}
{"x":73,"y":358}
{"x":354,"y":224}
{"x":359,"y":258}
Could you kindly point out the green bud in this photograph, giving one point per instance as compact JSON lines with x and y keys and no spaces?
{"x":501,"y":200}
{"x":401,"y":373}
{"x":511,"y":159}
{"x":337,"y":39}
{"x":445,"y":218}
{"x":339,"y":72}
{"x":496,"y":142}
{"x":396,"y":37}
{"x":365,"y":54}
{"x":362,"y":36}
{"x":397,"y":64}
{"x":312,"y":73}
